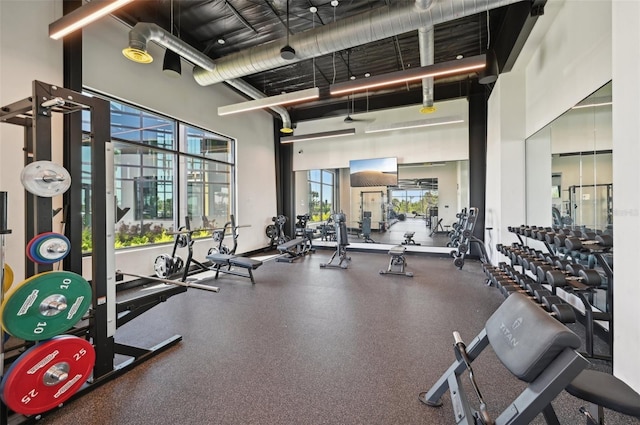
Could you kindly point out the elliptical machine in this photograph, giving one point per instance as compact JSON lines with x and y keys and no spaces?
{"x":342,"y":241}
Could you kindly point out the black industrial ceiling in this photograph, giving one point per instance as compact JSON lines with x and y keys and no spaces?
{"x":246,"y":23}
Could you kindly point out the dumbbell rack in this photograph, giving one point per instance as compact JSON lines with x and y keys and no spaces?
{"x":34,"y":114}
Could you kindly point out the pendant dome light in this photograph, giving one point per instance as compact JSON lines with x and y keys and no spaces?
{"x":287,"y":52}
{"x":171,"y":65}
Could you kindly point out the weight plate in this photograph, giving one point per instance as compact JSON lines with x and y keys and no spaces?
{"x":51,"y":248}
{"x":45,"y":305}
{"x":271,"y":231}
{"x":31,"y":242}
{"x":7,"y":279}
{"x":47,"y":374}
{"x":162,"y":266}
{"x":45,"y":178}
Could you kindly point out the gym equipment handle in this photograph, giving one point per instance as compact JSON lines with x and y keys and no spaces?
{"x":461,"y":348}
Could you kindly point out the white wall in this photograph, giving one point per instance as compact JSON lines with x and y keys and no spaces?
{"x":26,"y":54}
{"x":626,"y":181}
{"x":571,"y":61}
{"x":505,"y":197}
{"x":428,"y":144}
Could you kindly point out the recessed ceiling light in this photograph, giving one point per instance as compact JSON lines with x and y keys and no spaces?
{"x":221,"y":40}
{"x":459,"y":57}
{"x":334,"y":3}
{"x":313,"y":9}
{"x":367,"y":75}
{"x":353,"y":77}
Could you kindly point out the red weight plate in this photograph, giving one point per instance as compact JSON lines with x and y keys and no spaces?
{"x":47,"y":374}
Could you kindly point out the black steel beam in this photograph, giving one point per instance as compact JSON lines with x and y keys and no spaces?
{"x":516,"y":27}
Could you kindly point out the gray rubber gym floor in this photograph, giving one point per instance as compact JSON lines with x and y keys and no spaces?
{"x":306,"y":345}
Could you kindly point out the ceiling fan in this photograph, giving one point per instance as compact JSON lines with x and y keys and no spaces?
{"x":349,"y":119}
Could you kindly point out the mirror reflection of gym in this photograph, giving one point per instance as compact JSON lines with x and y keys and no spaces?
{"x":425,"y":201}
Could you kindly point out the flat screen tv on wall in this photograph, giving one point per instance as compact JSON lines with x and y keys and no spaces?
{"x":373,"y":172}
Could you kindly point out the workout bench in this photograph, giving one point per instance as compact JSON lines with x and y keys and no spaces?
{"x":231,"y":261}
{"x":533,"y":346}
{"x":397,"y":262}
{"x":297,"y":247}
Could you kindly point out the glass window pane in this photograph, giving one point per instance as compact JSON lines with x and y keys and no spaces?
{"x":207,"y":144}
{"x":145,"y":184}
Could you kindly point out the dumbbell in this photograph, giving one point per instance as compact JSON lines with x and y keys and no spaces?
{"x":557,"y":308}
{"x":565,"y":266}
{"x":597,"y":242}
{"x":553,"y":304}
{"x":587,"y":277}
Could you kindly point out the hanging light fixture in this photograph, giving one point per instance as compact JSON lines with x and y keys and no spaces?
{"x":471,"y":64}
{"x":171,"y":65}
{"x":83,"y":16}
{"x":287,"y":52}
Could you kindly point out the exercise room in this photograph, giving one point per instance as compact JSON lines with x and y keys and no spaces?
{"x":322,"y":212}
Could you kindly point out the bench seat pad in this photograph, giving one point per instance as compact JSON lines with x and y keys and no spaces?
{"x":220,"y":259}
{"x":605,"y":390}
{"x":245,"y":262}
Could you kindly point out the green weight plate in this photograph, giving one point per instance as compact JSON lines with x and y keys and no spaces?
{"x":45,"y":305}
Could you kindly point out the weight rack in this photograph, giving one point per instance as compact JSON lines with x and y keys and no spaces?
{"x":34,"y":114}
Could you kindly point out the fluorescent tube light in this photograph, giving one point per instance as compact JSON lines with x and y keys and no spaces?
{"x":594,"y":101}
{"x":267,"y":102}
{"x":377,"y":128}
{"x":83,"y":16}
{"x":473,"y":63}
{"x":315,"y":136}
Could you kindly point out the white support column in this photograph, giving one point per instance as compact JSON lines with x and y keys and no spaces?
{"x":626,"y":181}
{"x":505,"y":196}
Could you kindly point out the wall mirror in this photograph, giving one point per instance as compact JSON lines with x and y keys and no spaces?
{"x":569,"y":171}
{"x":424,"y":201}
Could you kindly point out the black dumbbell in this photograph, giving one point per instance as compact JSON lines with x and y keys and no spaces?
{"x":586,"y":277}
{"x":598,"y":242}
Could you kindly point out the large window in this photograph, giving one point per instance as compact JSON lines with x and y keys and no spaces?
{"x":322,"y":190}
{"x":167,"y":174}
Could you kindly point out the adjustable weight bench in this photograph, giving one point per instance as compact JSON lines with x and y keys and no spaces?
{"x":397,"y":262}
{"x":296,"y":248}
{"x":225,"y":263}
{"x":533,"y":346}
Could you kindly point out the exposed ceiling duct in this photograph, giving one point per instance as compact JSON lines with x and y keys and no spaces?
{"x":425,"y":39}
{"x":144,"y":32}
{"x":343,"y":34}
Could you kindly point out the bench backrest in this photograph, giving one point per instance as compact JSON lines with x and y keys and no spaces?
{"x":526,"y":338}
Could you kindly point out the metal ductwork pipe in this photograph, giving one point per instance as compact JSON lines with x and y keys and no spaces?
{"x":425,"y":41}
{"x":143,"y":32}
{"x":254,"y":93}
{"x":356,"y":30}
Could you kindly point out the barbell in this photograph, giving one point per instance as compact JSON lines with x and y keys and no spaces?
{"x":172,"y":282}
